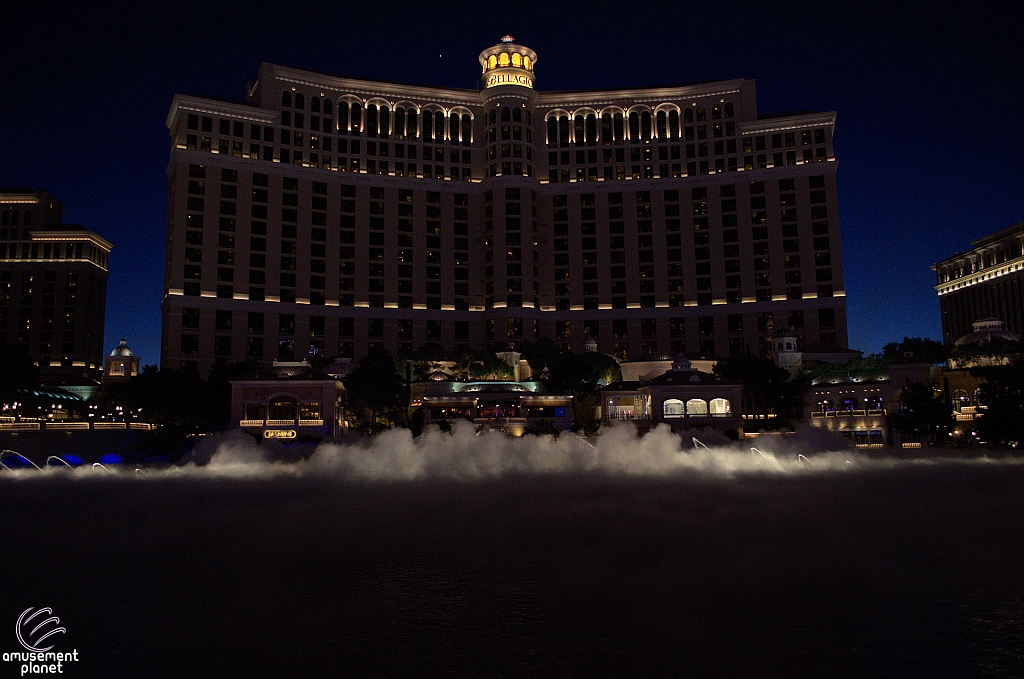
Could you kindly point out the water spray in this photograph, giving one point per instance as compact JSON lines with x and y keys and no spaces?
{"x":62,"y":461}
{"x":8,"y":453}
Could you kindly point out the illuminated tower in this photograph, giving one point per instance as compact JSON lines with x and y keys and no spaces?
{"x":510,"y":226}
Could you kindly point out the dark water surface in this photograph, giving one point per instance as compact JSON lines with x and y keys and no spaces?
{"x":912,"y":571}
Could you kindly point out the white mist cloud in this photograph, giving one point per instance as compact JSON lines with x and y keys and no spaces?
{"x":465,"y":455}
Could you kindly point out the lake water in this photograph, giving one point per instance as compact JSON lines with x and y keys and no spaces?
{"x":489,"y":557}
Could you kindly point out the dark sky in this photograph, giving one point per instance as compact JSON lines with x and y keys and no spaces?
{"x":928,"y":134}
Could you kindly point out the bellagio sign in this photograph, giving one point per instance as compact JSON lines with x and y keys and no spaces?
{"x":509,"y":76}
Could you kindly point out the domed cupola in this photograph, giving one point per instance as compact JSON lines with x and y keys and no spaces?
{"x":508,"y":64}
{"x":986,"y":330}
{"x":122,"y":349}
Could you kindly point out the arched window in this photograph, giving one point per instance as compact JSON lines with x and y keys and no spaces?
{"x":591,"y":129}
{"x":579,"y":130}
{"x":371,"y":121}
{"x":506,"y":114}
{"x":467,"y":128}
{"x":410,"y":125}
{"x":286,"y":98}
{"x":328,"y":108}
{"x":343,"y":117}
{"x":453,"y":128}
{"x":687,"y":115}
{"x":697,"y":407}
{"x":15,"y":215}
{"x":618,"y":132}
{"x":526,"y":63}
{"x":849,"y":404}
{"x":492,"y":61}
{"x":438,"y":127}
{"x":606,"y":129}
{"x":720,"y":407}
{"x":673,"y":124}
{"x":314,"y":104}
{"x":662,"y":125}
{"x":700,"y":114}
{"x":6,"y":219}
{"x":357,"y":118}
{"x":673,"y":407}
{"x":428,"y":125}
{"x":283,"y":408}
{"x":729,"y":109}
{"x":492,"y":117}
{"x":400,"y":122}
{"x":645,"y":125}
{"x":503,"y":59}
{"x":254,"y":411}
{"x":825,"y":405}
{"x":385,"y":121}
{"x":517,"y":115}
{"x":517,"y":60}
{"x":563,"y":131}
{"x":634,"y":126}
{"x":960,"y":399}
{"x":300,"y":101}
{"x":552,"y":131}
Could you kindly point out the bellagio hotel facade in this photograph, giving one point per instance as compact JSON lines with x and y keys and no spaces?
{"x":324,"y":216}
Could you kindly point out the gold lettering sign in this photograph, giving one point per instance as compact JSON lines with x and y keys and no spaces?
{"x":508,"y":77}
{"x":279,"y":434}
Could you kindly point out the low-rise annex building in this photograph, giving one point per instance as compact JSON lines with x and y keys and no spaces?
{"x":683,"y":398}
{"x":512,"y":407}
{"x":287,"y":400}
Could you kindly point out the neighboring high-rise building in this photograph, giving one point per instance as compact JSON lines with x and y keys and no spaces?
{"x":53,"y":284}
{"x":327,"y":215}
{"x":983,"y":283}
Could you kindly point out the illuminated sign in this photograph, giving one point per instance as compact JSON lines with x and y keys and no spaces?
{"x":279,"y":434}
{"x":508,"y":76}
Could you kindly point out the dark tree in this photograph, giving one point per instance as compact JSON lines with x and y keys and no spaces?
{"x":376,"y":387}
{"x":17,"y":371}
{"x":923,"y":349}
{"x":490,"y":367}
{"x":427,"y":359}
{"x":167,"y":397}
{"x":995,"y":351}
{"x":1002,"y":395}
{"x":218,"y":388}
{"x":767,"y":389}
{"x":923,"y":411}
{"x":581,"y":375}
{"x":540,"y":353}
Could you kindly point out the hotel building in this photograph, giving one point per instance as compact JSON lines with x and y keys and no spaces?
{"x":327,"y":215}
{"x":53,"y":284}
{"x":983,"y":283}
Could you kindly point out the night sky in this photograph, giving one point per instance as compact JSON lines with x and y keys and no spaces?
{"x":928,"y":135}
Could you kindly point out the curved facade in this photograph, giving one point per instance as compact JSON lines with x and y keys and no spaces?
{"x":326,"y":215}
